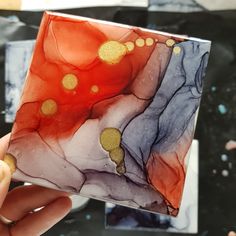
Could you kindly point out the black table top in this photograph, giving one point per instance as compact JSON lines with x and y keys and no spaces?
{"x":217,"y":116}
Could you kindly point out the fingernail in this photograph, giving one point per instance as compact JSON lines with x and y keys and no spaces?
{"x":1,"y":171}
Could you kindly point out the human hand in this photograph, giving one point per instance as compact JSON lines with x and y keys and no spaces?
{"x":231,"y":233}
{"x":17,"y":208}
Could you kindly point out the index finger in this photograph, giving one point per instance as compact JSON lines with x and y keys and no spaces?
{"x":4,"y":141}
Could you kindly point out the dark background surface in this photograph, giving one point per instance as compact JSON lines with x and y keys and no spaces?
{"x":217,"y":196}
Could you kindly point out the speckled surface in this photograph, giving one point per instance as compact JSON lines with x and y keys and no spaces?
{"x":216,"y":125}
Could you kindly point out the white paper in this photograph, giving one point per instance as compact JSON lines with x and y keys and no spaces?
{"x":55,"y":4}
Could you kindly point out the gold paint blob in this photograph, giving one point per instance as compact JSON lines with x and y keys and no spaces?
{"x":139,"y":42}
{"x":94,"y":89}
{"x":130,"y":46}
{"x":112,"y":52}
{"x":149,"y":41}
{"x":70,"y":81}
{"x":117,"y":155}
{"x":10,"y":160}
{"x":121,"y":168}
{"x":170,"y":42}
{"x":177,"y":50}
{"x":110,"y":138}
{"x":49,"y":107}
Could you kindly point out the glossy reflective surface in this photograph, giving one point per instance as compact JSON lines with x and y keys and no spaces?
{"x":112,"y":121}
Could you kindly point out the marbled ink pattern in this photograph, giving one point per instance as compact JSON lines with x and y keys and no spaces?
{"x":108,"y":111}
{"x":18,"y":55}
{"x":119,"y":217}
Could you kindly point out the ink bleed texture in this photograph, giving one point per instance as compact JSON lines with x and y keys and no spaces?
{"x":108,"y":112}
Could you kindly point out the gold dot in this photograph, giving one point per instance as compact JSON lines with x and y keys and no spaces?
{"x":170,"y":42}
{"x":139,"y":42}
{"x":177,"y":50}
{"x":117,"y":155}
{"x":94,"y":89}
{"x":10,"y":160}
{"x":110,"y":138}
{"x":49,"y":107}
{"x":70,"y":81}
{"x":112,"y":52}
{"x":121,"y":168}
{"x":149,"y":41}
{"x":130,"y":46}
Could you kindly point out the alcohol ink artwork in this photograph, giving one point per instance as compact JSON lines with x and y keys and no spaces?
{"x":18,"y":55}
{"x":108,"y":112}
{"x":119,"y":217}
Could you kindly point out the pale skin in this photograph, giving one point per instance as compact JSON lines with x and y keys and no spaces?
{"x":19,"y":204}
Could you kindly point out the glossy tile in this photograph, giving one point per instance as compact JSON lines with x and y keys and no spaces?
{"x":108,"y":111}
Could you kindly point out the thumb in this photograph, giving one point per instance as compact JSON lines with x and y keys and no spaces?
{"x":4,"y":144}
{"x":5,"y":174}
{"x":5,"y":179}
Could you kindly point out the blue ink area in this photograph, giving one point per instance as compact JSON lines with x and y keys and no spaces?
{"x":224,"y":157}
{"x":172,"y":112}
{"x":88,"y":217}
{"x":213,"y":88}
{"x":222,"y":109}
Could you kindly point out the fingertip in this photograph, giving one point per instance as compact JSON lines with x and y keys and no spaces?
{"x":40,"y":221}
{"x":65,"y":203}
{"x":5,"y":138}
{"x":5,"y":179}
{"x":4,"y":141}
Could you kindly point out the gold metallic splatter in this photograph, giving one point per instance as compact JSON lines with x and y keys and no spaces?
{"x":70,"y":81}
{"x":170,"y":42}
{"x":94,"y":89}
{"x":117,"y":155}
{"x":121,"y":168}
{"x":130,"y":46}
{"x":177,"y":50}
{"x":110,"y":138}
{"x":149,"y":41}
{"x":112,"y":52}
{"x":10,"y":160}
{"x":139,"y":42}
{"x":49,"y":107}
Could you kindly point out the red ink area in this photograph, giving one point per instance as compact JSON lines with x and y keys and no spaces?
{"x":71,"y":47}
{"x":167,"y":175}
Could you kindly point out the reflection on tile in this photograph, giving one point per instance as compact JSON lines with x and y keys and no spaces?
{"x":18,"y":54}
{"x":118,"y":217}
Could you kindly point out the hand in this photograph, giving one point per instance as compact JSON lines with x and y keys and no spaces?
{"x":18,"y":206}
